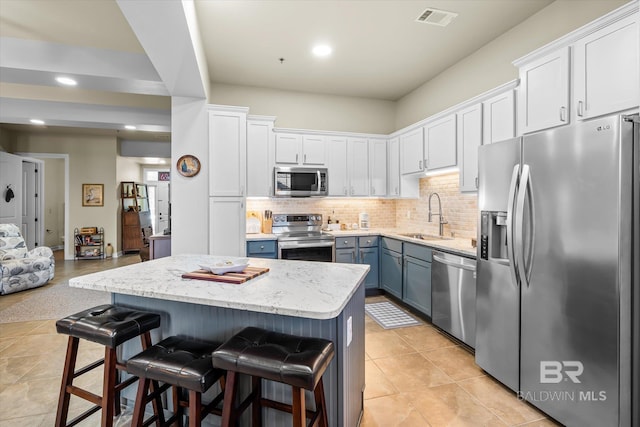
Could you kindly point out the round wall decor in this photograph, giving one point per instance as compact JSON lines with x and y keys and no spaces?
{"x":188,"y":165}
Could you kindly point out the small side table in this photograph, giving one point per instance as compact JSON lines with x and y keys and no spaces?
{"x":159,"y":246}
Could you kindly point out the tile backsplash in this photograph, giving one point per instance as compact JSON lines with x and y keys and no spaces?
{"x":460,"y":210}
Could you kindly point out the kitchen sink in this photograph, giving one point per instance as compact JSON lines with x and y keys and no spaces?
{"x":421,"y":236}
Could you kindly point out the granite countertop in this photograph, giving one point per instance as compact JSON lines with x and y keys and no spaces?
{"x":315,"y":290}
{"x":455,"y":245}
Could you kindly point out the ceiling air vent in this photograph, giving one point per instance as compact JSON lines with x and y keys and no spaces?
{"x":436,"y":17}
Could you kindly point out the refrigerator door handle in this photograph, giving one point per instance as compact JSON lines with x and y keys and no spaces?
{"x":524,"y":268}
{"x":511,"y":255}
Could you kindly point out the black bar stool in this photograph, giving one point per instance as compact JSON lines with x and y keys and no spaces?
{"x":288,"y":359}
{"x":178,"y":363}
{"x":110,"y":326}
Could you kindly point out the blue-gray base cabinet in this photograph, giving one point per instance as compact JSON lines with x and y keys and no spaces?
{"x":262,"y":249}
{"x":360,"y":250}
{"x":416,"y":279}
{"x":343,"y":379}
{"x":391,"y":266}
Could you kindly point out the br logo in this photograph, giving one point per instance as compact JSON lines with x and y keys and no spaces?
{"x":553,"y":371}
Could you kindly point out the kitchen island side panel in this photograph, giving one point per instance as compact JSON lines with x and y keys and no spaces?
{"x":343,"y":379}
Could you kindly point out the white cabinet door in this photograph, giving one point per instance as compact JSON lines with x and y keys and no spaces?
{"x":543,"y":98}
{"x":288,"y":148}
{"x":393,"y":168}
{"x":313,"y":150}
{"x":260,"y":138}
{"x":411,"y":152}
{"x":440,"y":143}
{"x":499,"y":118}
{"x":378,"y":167}
{"x":469,"y":139}
{"x":358,"y":166}
{"x":606,"y":72}
{"x":227,"y":153}
{"x":338,"y":166}
{"x":227,"y":229}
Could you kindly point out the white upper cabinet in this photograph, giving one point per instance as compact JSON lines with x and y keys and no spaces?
{"x":606,"y":75}
{"x":358,"y":158}
{"x":378,"y":167}
{"x":393,"y":168}
{"x":440,"y":143}
{"x":412,"y":152}
{"x":543,"y":100}
{"x":338,"y":166}
{"x":294,"y":149}
{"x":227,"y":152}
{"x":469,"y":139}
{"x":260,"y":140}
{"x":499,"y":118}
{"x":313,"y":150}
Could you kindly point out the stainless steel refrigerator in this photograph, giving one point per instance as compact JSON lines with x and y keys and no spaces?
{"x":558,"y":277}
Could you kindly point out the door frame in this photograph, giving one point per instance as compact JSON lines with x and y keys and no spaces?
{"x":68,"y":253}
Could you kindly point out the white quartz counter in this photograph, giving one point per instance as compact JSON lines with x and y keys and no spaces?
{"x":315,"y":290}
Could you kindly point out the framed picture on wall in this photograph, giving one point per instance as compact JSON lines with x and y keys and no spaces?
{"x":92,"y":194}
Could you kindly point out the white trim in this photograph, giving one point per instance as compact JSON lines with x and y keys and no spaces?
{"x":568,"y":39}
{"x":68,"y":254}
{"x":227,"y":108}
{"x":261,"y":118}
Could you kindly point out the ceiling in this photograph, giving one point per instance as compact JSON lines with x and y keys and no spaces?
{"x":379,"y":52}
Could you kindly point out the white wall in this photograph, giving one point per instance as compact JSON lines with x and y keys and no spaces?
{"x":491,"y":66}
{"x":310,"y":111}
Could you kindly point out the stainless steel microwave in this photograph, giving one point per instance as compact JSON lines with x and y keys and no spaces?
{"x":300,"y":182}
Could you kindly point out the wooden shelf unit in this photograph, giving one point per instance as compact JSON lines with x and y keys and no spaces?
{"x":89,"y":243}
{"x":135,"y":214}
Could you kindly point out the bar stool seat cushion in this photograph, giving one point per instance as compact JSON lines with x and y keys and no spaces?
{"x":108,"y":324}
{"x":177,"y":361}
{"x":289,"y":359}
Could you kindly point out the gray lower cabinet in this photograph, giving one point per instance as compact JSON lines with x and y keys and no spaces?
{"x":391,"y":266}
{"x":416,"y":280}
{"x":360,"y":250}
{"x":262,"y":249}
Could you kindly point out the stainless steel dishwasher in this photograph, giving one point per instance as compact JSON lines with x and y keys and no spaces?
{"x":453,"y":296}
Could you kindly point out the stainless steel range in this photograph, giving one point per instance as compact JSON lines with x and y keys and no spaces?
{"x":300,"y":237}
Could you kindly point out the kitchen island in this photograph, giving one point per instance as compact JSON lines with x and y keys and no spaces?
{"x":313,"y":299}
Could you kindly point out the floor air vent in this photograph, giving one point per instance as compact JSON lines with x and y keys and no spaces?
{"x":436,"y":17}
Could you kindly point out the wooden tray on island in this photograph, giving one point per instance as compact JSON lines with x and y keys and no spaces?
{"x":248,"y":274}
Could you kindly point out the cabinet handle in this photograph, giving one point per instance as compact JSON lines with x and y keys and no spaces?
{"x":399,"y":261}
{"x":396,"y":189}
{"x":242,"y":190}
{"x":373,"y":190}
{"x":352,"y":191}
{"x":563,"y":114}
{"x":345,"y":191}
{"x":361,"y":255}
{"x":346,"y":241}
{"x":580,"y":108}
{"x":261,"y":246}
{"x":305,"y":158}
{"x":353,"y":256}
{"x":426,"y":163}
{"x":368,"y":241}
{"x":296,"y":158}
{"x":476,"y":182}
{"x":420,"y":164}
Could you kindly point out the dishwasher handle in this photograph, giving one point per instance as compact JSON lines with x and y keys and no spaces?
{"x":453,"y":263}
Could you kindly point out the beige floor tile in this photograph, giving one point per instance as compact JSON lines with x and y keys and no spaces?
{"x":383,"y":344}
{"x":458,"y":363}
{"x":46,"y":327}
{"x":17,"y":329}
{"x":424,"y":338}
{"x":376,"y":381}
{"x":13,"y":369}
{"x":35,"y":345}
{"x":371,"y":326}
{"x":501,"y":401}
{"x":451,"y":406}
{"x":545,"y":422}
{"x":391,"y":411}
{"x":28,"y":398}
{"x":411,"y":372}
{"x":6,"y":342}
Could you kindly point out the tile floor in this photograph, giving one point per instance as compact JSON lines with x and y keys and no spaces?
{"x":415,"y":376}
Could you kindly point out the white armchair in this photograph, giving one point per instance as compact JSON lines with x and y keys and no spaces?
{"x":20,"y":268}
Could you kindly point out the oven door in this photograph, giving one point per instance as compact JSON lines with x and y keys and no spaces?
{"x":307,"y":250}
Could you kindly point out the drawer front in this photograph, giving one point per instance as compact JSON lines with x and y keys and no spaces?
{"x":368,"y":242}
{"x":417,"y":251}
{"x":345,"y":242}
{"x":261,"y":247}
{"x":392,"y":244}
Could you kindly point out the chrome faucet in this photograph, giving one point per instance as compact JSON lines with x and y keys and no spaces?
{"x":442,"y":221}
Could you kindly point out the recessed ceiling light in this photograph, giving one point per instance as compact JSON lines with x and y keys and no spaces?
{"x":322,"y":50}
{"x":37,"y":121}
{"x":130,"y":127}
{"x":67,"y":81}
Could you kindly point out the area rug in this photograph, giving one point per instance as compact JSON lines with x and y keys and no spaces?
{"x":390,"y":316}
{"x":53,"y":302}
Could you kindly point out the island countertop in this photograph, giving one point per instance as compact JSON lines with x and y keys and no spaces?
{"x":315,"y":290}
